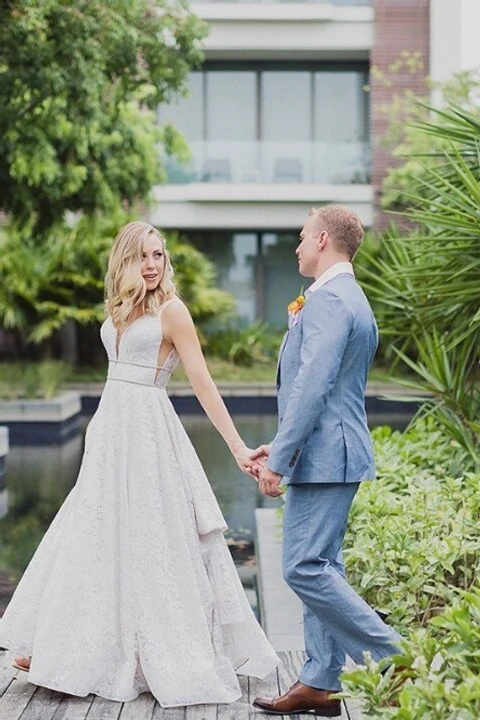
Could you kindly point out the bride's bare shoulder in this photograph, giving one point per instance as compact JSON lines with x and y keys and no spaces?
{"x":174,"y":306}
{"x":176,"y":312}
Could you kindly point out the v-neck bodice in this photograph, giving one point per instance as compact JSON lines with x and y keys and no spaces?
{"x":133,"y":357}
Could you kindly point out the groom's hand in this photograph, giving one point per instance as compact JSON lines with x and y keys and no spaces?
{"x":246,"y":464}
{"x":262,"y":451}
{"x":269,"y":483}
{"x":258,"y":459}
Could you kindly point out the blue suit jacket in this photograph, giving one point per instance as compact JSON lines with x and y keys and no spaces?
{"x":322,"y":373}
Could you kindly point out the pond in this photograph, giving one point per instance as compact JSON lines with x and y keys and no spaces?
{"x":38,"y":479}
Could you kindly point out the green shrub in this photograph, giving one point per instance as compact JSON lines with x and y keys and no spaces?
{"x":440,"y":666}
{"x":247,"y":346}
{"x":32,"y":380}
{"x":413,"y":550}
{"x":413,"y":533}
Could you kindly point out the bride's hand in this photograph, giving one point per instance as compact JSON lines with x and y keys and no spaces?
{"x":246,"y":464}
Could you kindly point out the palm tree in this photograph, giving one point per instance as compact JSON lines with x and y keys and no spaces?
{"x":428,"y":282}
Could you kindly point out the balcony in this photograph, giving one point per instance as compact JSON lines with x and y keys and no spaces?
{"x":325,"y":163}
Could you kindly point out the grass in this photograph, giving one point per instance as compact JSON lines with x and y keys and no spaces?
{"x":221,"y":371}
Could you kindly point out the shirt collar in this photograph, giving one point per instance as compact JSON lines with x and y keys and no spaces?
{"x":337,"y":269}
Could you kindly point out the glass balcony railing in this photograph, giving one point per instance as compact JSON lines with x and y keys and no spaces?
{"x":337,"y":163}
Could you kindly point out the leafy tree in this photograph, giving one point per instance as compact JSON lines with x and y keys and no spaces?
{"x":415,"y":149}
{"x":79,"y":81}
{"x":63,"y":280}
{"x":54,"y":282}
{"x":79,"y":84}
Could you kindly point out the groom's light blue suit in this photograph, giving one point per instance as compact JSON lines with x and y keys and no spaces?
{"x":323,"y":447}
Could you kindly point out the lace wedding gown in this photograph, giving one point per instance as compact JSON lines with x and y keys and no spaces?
{"x":132,"y":587}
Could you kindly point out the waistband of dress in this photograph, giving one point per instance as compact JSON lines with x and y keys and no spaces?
{"x":114,"y":363}
{"x":137,"y":374}
{"x":136,"y":382}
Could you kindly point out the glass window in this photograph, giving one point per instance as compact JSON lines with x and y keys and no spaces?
{"x":275,"y":123}
{"x":231,"y":105}
{"x":340,"y":102}
{"x":281,"y":279}
{"x":231,"y":147}
{"x":286,"y":125}
{"x":286,"y":105}
{"x":235,"y":258}
{"x":340,"y":127}
{"x":186,"y":113}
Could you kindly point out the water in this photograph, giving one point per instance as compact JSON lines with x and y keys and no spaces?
{"x":39,"y":478}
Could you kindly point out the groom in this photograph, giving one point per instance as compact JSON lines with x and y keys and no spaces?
{"x":324,"y":451}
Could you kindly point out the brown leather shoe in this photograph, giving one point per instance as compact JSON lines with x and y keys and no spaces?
{"x":301,"y":699}
{"x":22,"y":663}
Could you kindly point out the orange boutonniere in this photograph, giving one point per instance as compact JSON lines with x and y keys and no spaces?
{"x":294,"y":308}
{"x":296,"y":305}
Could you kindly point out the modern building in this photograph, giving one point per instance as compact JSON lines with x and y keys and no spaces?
{"x":284,"y":115}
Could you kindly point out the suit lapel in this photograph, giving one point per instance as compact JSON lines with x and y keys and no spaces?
{"x":280,"y":353}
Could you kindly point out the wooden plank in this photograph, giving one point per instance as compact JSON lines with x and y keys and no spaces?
{"x":7,"y":672}
{"x":290,"y":671}
{"x":243,"y":680}
{"x":201,"y":712}
{"x":239,"y":709}
{"x":286,"y":676}
{"x":139,"y":709}
{"x":268,"y":687}
{"x":177,"y":713}
{"x":16,"y":697}
{"x":103,"y":709}
{"x":43,"y":705}
{"x":354,"y":707}
{"x":73,"y":707}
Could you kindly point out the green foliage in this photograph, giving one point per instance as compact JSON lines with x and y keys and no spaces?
{"x":437,"y":673}
{"x":413,"y":550}
{"x":62,"y":279}
{"x":245,"y":346}
{"x":425,"y":285}
{"x":32,"y":380}
{"x":413,"y":532}
{"x":79,"y":83}
{"x":415,"y":150}
{"x":194,"y":277}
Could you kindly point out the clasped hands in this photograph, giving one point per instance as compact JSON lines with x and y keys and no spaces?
{"x":254,"y":464}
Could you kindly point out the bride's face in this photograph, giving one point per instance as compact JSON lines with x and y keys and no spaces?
{"x":153,"y":262}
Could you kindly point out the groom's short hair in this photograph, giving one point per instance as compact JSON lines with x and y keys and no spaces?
{"x":343,"y":226}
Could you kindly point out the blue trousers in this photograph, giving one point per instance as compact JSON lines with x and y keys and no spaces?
{"x":337,"y":622}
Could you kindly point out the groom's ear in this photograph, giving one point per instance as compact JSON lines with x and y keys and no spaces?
{"x":322,"y":240}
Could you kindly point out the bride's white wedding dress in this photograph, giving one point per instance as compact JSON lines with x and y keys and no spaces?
{"x":132,"y":587}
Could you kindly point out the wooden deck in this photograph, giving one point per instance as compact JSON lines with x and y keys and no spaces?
{"x":20,"y":700}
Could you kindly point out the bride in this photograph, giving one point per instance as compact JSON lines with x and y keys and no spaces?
{"x":132,"y":588}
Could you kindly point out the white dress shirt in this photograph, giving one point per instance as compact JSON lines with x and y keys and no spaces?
{"x":337,"y":269}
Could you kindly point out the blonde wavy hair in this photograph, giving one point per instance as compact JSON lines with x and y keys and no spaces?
{"x":124,"y":285}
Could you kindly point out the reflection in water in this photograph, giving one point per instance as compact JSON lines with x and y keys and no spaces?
{"x":39,"y":478}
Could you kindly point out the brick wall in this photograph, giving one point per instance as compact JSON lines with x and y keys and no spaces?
{"x":400,"y":25}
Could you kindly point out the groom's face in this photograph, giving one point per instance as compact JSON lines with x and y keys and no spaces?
{"x":307,"y":251}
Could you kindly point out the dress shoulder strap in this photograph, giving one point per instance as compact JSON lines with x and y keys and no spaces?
{"x":164,"y":305}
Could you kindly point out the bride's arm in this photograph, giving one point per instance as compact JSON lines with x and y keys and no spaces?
{"x":178,"y":328}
